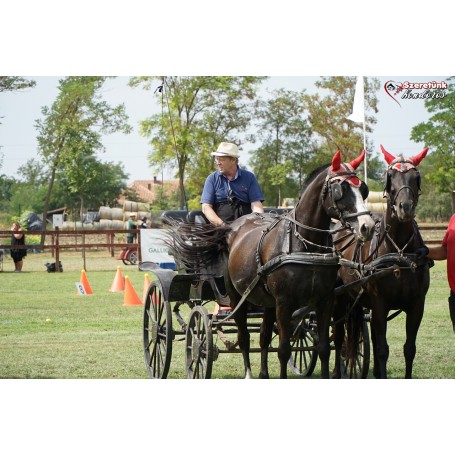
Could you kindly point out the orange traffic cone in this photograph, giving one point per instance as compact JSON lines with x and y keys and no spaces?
{"x":130,"y":297}
{"x":119,"y":283}
{"x":146,"y":286}
{"x":85,"y":283}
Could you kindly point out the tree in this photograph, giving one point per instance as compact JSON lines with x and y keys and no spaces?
{"x":71,"y":129}
{"x":439,"y":135}
{"x":286,"y":145}
{"x":6,"y":190}
{"x":327,"y":115}
{"x":90,"y":183}
{"x":198,"y":113}
{"x":15,"y":83}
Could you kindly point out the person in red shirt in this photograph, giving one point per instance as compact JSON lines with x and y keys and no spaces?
{"x":447,"y":251}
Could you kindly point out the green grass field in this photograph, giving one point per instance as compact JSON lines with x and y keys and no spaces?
{"x":47,"y":330}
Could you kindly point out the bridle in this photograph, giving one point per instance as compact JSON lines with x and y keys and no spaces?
{"x":333,"y":187}
{"x":401,"y":165}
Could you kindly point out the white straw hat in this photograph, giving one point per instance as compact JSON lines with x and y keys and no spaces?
{"x":227,"y":149}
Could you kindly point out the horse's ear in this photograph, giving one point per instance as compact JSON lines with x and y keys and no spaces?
{"x":355,"y":163}
{"x":418,"y":158}
{"x":388,"y":157}
{"x":336,"y":161}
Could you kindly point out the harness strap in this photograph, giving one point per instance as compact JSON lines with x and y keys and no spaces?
{"x":244,"y":296}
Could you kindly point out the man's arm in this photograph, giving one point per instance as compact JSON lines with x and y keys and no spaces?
{"x":437,"y":253}
{"x":257,"y":207}
{"x":207,"y":210}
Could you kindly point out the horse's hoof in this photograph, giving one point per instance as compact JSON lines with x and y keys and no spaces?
{"x":264,"y":376}
{"x":248,"y":375}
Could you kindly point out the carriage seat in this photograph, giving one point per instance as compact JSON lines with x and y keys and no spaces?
{"x":197,"y":217}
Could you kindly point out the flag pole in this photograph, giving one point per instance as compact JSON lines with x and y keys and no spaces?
{"x":358,"y":116}
{"x":366,"y":154}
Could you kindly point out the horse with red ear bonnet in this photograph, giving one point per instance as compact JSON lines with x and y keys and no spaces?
{"x":285,"y":263}
{"x":397,"y":243}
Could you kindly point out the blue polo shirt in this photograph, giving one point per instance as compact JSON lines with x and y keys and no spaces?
{"x":244,"y":186}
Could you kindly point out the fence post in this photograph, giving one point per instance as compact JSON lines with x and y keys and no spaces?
{"x":57,"y":252}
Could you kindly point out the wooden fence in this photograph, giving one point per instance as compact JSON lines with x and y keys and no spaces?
{"x":57,"y":240}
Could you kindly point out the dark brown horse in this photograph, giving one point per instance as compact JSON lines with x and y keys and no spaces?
{"x":287,"y":263}
{"x":396,"y":243}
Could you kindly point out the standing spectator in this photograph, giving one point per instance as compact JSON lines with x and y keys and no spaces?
{"x":131,"y":224}
{"x":447,"y":251}
{"x":17,"y":238}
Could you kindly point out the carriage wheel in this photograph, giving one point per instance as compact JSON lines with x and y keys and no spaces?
{"x":302,"y":363}
{"x":158,"y":333}
{"x":199,"y":345}
{"x":132,"y":257}
{"x":358,"y":368}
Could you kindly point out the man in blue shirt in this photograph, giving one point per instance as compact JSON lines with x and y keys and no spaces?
{"x":230,"y":192}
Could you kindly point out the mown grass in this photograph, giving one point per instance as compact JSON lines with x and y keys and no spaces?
{"x":48,"y":331}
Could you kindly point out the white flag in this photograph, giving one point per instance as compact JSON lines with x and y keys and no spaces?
{"x":358,"y":113}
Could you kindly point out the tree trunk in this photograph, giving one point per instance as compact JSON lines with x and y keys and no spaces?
{"x":46,"y":203}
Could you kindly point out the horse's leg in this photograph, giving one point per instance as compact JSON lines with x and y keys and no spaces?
{"x":283,"y":318}
{"x":379,"y":338}
{"x":243,"y":336}
{"x":338,"y":332}
{"x":265,"y":339}
{"x":413,"y":320}
{"x":324,"y":312}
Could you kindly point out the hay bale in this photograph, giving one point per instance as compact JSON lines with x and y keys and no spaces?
{"x":105,"y":224}
{"x":375,"y":196}
{"x":117,"y":213}
{"x":130,"y":206}
{"x":117,"y":224}
{"x":105,"y":213}
{"x":377,"y":207}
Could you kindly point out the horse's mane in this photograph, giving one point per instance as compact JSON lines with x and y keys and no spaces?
{"x":195,"y":246}
{"x":312,"y":176}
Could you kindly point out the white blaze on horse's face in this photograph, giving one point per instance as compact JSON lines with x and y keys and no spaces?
{"x":366,"y":222}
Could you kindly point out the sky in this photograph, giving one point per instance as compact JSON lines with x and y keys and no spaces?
{"x":20,"y":110}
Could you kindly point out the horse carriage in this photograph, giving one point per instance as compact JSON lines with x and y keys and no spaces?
{"x":208,"y":334}
{"x":276,"y":274}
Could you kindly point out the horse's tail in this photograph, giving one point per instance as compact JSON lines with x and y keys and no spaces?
{"x":195,"y":246}
{"x":354,"y":327}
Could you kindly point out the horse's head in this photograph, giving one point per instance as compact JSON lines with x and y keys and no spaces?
{"x":402,"y":184}
{"x":343,"y":197}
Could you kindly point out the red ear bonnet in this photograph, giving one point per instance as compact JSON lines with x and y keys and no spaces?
{"x":418,"y":158}
{"x":336,"y":161}
{"x":355,"y":163}
{"x":388,"y":157}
